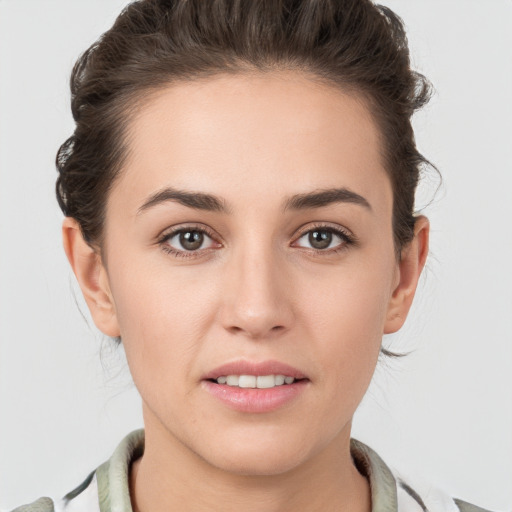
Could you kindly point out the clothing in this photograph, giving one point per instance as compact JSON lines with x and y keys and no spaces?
{"x":106,"y":489}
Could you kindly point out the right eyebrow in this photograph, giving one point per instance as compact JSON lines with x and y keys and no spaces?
{"x":195,"y":200}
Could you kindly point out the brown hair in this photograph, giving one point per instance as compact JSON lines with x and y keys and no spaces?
{"x":351,"y":44}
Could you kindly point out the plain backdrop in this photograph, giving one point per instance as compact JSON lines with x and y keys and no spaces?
{"x":444,"y":412}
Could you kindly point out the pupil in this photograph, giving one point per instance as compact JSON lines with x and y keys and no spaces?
{"x":191,"y":240}
{"x":320,"y":239}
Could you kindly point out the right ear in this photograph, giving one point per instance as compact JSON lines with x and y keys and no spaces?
{"x":91,"y":276}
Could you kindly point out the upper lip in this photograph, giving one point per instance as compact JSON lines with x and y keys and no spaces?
{"x":244,"y":367}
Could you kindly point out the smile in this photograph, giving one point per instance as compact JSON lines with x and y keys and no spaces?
{"x":255,"y":386}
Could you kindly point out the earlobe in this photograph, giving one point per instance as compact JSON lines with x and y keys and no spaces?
{"x":412,"y":261}
{"x":91,"y":276}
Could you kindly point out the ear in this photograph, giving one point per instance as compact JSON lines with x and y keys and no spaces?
{"x":92,"y":277}
{"x":412,"y":261}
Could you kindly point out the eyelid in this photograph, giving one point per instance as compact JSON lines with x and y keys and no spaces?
{"x":171,"y":232}
{"x":347,"y":237}
{"x":336,"y":228}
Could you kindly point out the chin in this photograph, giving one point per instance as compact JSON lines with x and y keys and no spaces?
{"x":260,"y":464}
{"x":259,"y":455}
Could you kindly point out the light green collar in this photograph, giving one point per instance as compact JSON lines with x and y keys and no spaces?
{"x":113,"y":475}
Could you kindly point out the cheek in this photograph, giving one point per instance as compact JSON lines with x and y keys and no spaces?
{"x":351,"y":303}
{"x":162,"y":316}
{"x":345,"y":320}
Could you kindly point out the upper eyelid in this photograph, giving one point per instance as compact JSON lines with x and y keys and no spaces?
{"x":326,"y":227}
{"x":173,"y":231}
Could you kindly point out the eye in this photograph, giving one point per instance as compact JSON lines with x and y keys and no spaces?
{"x":187,"y":241}
{"x":325,"y":238}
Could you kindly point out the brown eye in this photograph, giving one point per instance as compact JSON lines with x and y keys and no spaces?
{"x":191,"y":240}
{"x":187,"y":240}
{"x":320,"y":239}
{"x":324,"y":239}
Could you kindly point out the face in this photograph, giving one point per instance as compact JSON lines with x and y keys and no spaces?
{"x":251,"y":227}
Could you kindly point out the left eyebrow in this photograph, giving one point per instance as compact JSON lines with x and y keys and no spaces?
{"x":325,"y":197}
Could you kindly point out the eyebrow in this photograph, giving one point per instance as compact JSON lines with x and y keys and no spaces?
{"x":195,"y":200}
{"x":320,"y":198}
{"x":212,"y":203}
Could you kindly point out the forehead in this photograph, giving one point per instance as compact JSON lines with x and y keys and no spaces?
{"x":258,"y":134}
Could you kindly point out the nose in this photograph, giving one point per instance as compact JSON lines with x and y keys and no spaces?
{"x":256,"y":295}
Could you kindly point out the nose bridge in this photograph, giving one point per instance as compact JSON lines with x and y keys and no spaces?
{"x":257,"y":303}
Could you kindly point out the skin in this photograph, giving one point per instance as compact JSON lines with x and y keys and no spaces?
{"x":256,"y":290}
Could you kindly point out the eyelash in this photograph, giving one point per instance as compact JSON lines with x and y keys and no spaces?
{"x":183,"y":254}
{"x":347,"y":238}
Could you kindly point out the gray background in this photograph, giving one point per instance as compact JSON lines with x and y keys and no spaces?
{"x":445,"y":412}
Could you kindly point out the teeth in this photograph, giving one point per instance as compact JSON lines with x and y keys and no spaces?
{"x":253,"y":381}
{"x":265,"y":381}
{"x":232,"y":380}
{"x":247,"y":381}
{"x":280,"y":380}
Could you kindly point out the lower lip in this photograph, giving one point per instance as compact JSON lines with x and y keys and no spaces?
{"x":254,"y":400}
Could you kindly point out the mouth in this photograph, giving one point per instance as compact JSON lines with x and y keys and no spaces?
{"x":255,"y":386}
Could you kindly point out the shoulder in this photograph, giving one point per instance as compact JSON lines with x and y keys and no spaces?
{"x":41,"y":505}
{"x":429,"y":498}
{"x":104,"y":488}
{"x":82,"y":498}
{"x":395,"y":491}
{"x":464,"y":506}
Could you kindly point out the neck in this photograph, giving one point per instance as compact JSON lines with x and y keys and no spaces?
{"x":169,"y":476}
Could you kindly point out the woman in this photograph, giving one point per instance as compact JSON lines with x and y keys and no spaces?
{"x":239,"y":202}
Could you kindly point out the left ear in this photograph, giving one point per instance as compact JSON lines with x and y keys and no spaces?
{"x":412,"y":261}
